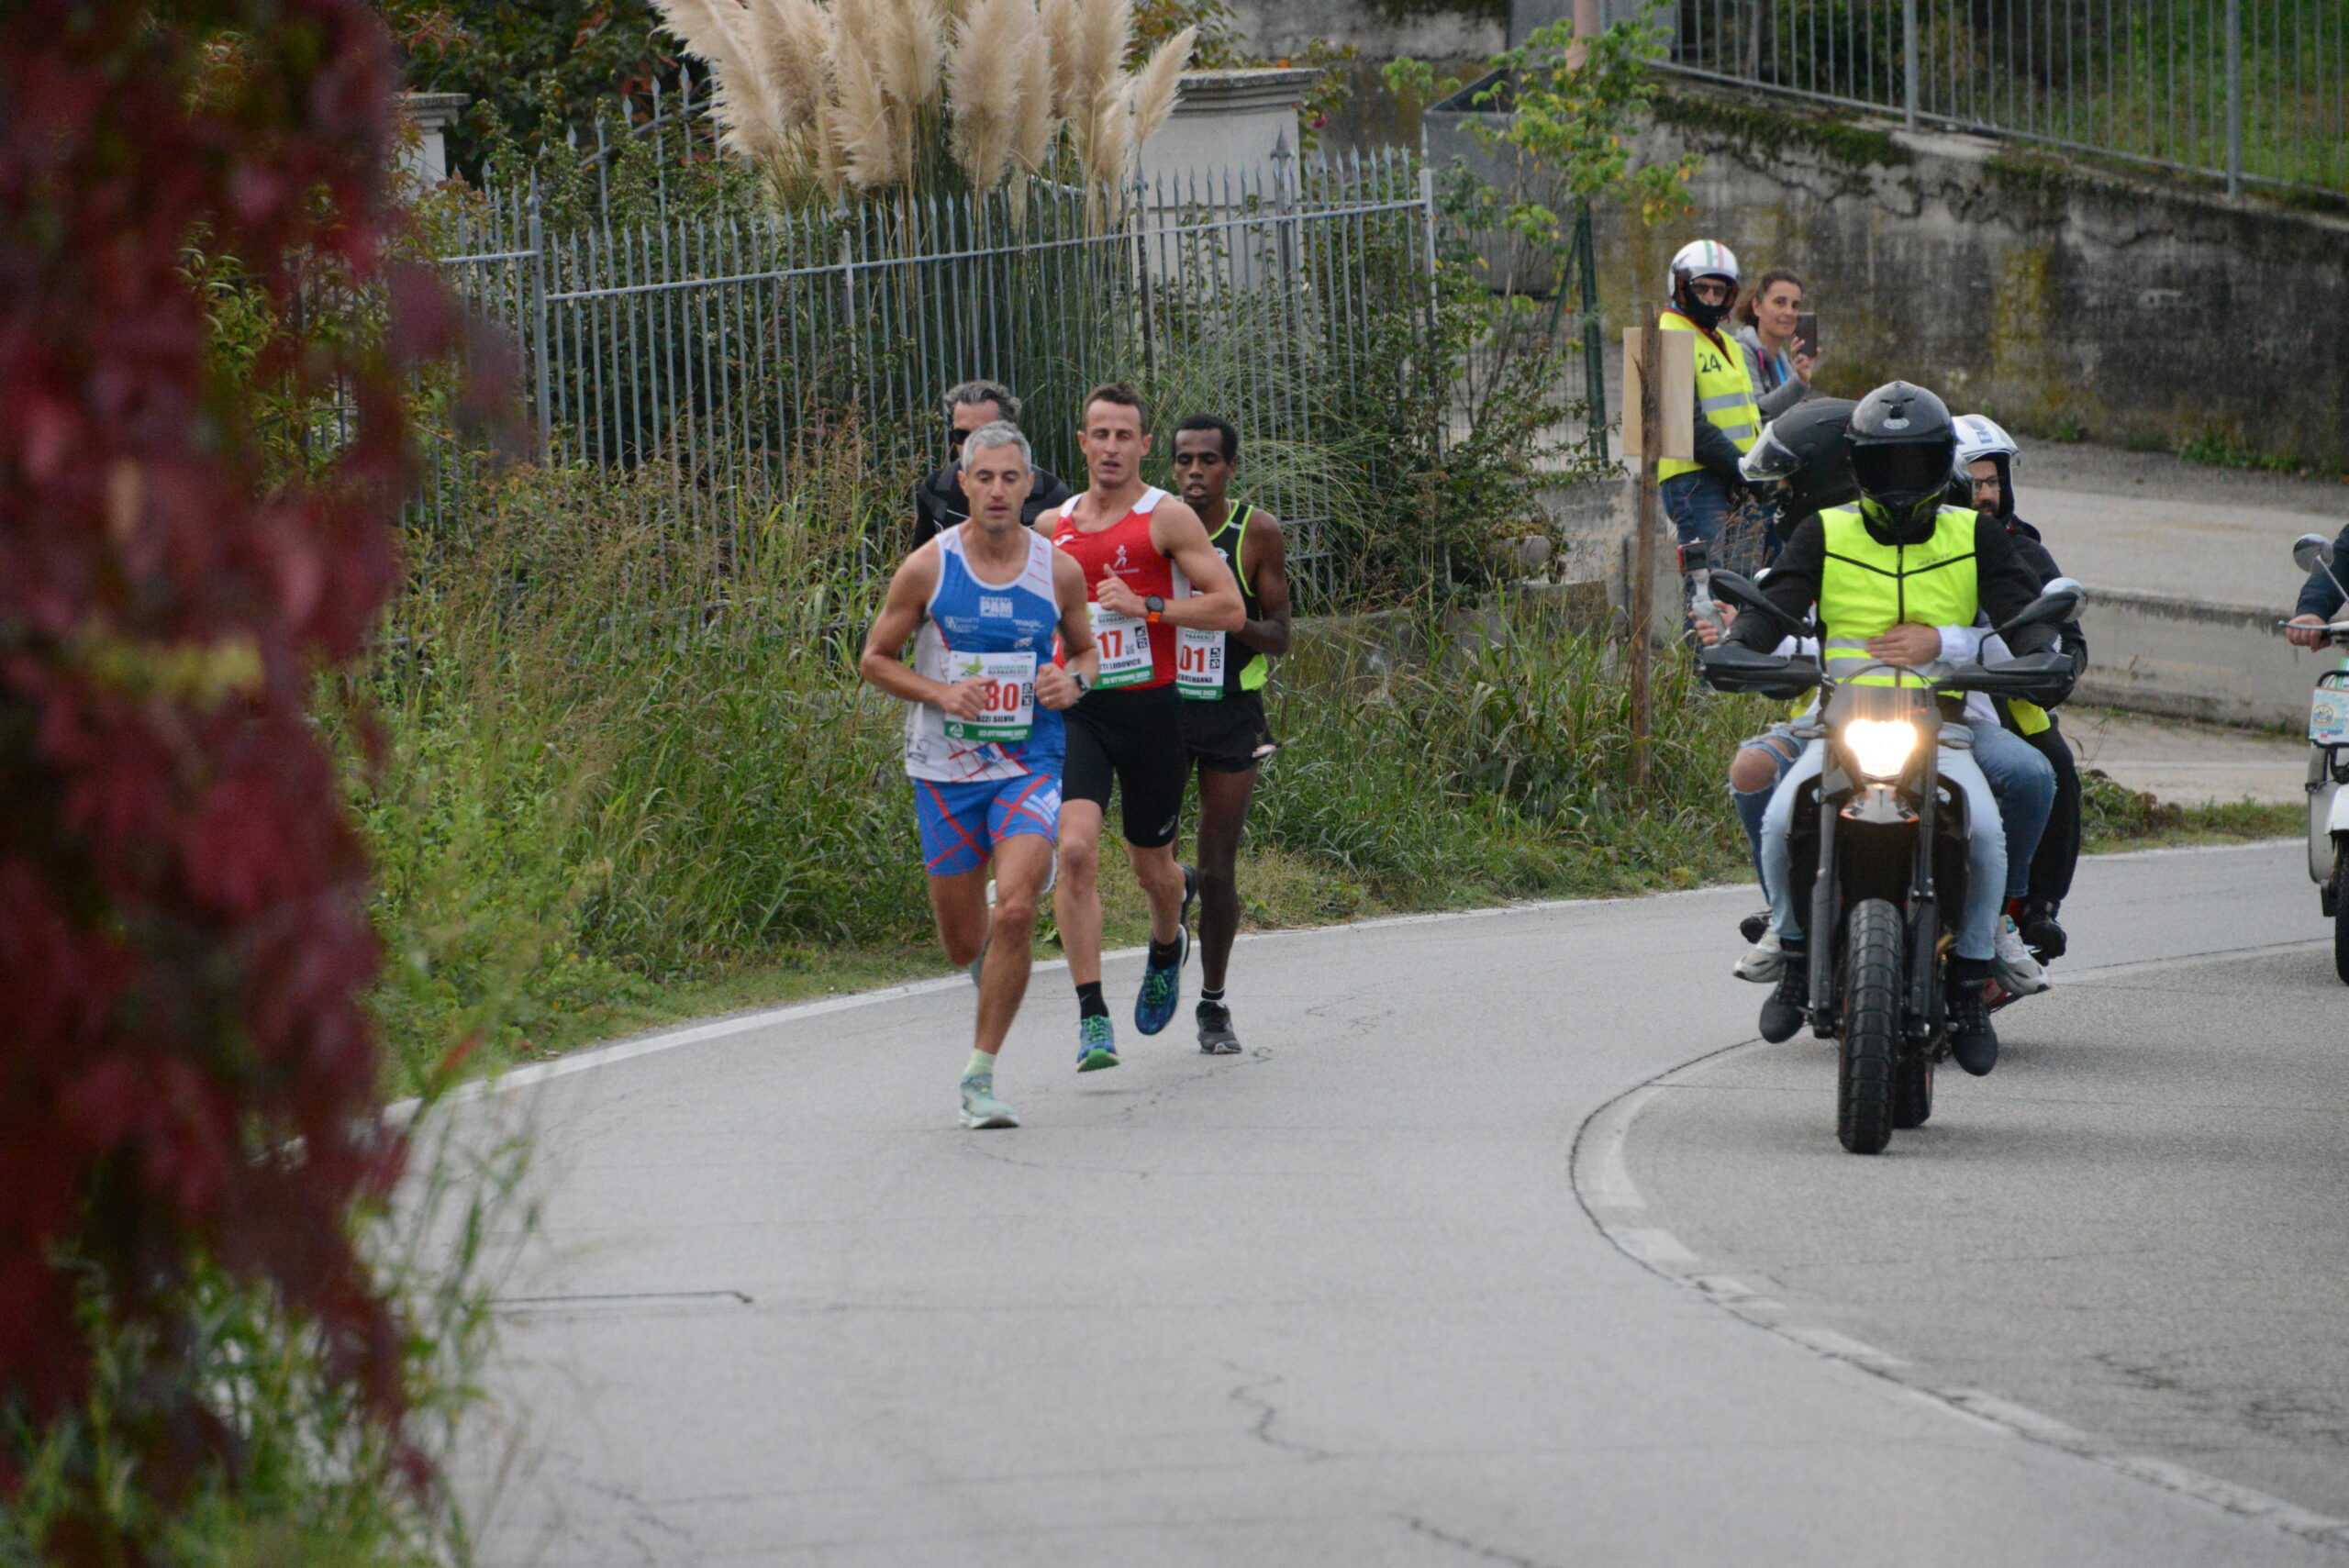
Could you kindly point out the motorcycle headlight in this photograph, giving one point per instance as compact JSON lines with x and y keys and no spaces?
{"x":1880,"y":747}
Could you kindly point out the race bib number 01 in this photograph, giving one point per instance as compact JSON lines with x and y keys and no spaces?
{"x":1010,"y":697}
{"x":2329,"y":717}
{"x":1125,"y":648}
{"x":1199,"y":663}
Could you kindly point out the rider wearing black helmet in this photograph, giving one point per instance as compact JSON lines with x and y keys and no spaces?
{"x":1893,"y":580}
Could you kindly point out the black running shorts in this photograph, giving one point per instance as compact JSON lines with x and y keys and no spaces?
{"x":1228,"y":735}
{"x":1135,"y":738}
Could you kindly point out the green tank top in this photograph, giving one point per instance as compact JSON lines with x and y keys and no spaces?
{"x":1244,"y":669}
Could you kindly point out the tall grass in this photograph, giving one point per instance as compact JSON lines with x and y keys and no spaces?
{"x":611,"y":764}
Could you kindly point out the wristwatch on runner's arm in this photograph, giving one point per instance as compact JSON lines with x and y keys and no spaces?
{"x":1154,"y":607}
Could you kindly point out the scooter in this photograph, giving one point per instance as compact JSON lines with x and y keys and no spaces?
{"x":1880,"y":841}
{"x":2329,"y":766}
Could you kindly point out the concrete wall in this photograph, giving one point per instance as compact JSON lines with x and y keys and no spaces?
{"x":1278,"y":28}
{"x":2051,"y":296}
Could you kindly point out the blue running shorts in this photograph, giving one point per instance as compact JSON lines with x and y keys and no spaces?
{"x":962,"y":823}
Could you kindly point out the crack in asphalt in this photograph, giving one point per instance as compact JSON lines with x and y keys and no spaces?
{"x":1248,"y":1395}
{"x":1414,"y":1523}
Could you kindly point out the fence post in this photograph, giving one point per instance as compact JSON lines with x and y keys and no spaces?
{"x":1909,"y":61}
{"x":1642,"y":593}
{"x":1594,"y":355}
{"x":542,"y":378}
{"x":2235,"y":97}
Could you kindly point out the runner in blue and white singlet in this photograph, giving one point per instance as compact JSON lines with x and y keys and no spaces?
{"x":983,"y":605}
{"x":966,"y":617}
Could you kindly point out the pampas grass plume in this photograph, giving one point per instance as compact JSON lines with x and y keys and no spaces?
{"x":1157,"y":84}
{"x":983,"y":83}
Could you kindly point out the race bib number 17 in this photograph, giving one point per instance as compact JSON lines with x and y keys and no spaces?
{"x":1125,"y":647}
{"x":1010,"y":697}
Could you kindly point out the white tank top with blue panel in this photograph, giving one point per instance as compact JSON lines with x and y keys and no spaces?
{"x":968,"y":614}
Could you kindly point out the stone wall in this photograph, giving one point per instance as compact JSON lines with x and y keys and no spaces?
{"x":2062,"y":299}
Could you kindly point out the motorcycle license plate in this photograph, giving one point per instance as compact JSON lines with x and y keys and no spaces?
{"x":2329,"y":717}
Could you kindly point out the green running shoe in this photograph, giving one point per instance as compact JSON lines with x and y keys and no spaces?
{"x":980,"y":1107}
{"x":1097,"y":1045}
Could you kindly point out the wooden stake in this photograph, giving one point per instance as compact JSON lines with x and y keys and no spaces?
{"x":1642,"y":593}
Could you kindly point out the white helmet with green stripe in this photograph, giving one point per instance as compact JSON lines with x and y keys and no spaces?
{"x":1703,"y":259}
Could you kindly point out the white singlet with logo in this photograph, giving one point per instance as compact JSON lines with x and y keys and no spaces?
{"x":1005,"y":629}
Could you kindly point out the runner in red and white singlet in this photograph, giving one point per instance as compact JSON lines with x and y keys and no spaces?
{"x":1151,"y":576}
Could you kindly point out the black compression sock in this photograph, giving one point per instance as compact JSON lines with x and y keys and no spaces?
{"x":1164,"y":954}
{"x":1215,"y":995}
{"x":1089,"y":1002}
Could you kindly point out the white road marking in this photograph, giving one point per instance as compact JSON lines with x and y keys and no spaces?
{"x":1609,"y":1196}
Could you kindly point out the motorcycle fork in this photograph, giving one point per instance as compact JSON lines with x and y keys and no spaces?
{"x":1924,"y":902}
{"x":1826,"y":919}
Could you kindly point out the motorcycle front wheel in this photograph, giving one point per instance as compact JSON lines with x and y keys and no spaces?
{"x":1864,"y":1082}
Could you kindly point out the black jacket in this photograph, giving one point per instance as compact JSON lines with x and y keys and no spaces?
{"x":2005,"y":583}
{"x":2318,"y":596}
{"x":938,"y":503}
{"x":2043,"y":566}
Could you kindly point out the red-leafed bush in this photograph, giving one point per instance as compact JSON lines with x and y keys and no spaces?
{"x":188,"y":1079}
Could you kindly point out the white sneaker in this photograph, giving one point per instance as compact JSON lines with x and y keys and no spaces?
{"x":2016,"y":969}
{"x":1764,"y":962}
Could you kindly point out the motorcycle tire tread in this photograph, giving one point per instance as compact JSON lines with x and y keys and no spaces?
{"x":1864,"y":1069}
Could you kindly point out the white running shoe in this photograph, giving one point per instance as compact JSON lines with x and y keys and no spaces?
{"x":2016,"y":969}
{"x":1764,"y":962}
{"x":980,"y":1107}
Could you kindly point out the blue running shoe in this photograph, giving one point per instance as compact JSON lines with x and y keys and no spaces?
{"x":1097,"y":1045}
{"x":1162,"y":989}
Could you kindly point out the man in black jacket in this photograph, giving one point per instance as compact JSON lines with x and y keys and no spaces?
{"x":938,"y":504}
{"x":1985,"y":481}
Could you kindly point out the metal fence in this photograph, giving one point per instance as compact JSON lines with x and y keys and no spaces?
{"x":694,"y":354}
{"x":2250,"y":91}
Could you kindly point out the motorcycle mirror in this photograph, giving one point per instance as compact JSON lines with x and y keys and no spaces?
{"x":2060,"y":600}
{"x":1731,"y":588}
{"x":2312,"y":552}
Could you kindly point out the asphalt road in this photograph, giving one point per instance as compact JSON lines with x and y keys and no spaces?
{"x":1341,"y":1300}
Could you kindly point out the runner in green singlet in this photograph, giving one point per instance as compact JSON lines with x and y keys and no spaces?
{"x":1224,"y":724}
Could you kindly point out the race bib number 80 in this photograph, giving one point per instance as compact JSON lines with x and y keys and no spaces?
{"x":1125,"y":647}
{"x":1010,"y":697}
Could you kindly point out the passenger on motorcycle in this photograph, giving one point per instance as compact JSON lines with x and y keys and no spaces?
{"x":1803,"y":459}
{"x":1984,"y":478}
{"x":1900,"y":579}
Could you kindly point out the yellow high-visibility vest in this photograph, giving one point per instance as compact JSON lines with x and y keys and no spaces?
{"x":1866,"y":588}
{"x":1724,"y":392}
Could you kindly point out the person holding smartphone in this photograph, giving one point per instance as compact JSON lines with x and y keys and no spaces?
{"x":1779,"y":356}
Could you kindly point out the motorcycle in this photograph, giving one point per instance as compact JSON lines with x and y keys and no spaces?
{"x":1880,"y":843}
{"x":2329,"y":767}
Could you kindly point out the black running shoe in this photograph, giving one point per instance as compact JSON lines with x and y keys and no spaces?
{"x":1789,"y":1004}
{"x":1752,"y":925}
{"x":1973,"y":1043}
{"x":1190,"y":895}
{"x":2041,"y":934}
{"x":1216,"y":1038}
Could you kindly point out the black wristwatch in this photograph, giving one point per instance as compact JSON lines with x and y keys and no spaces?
{"x":1153,"y":607}
{"x":1078,"y":675}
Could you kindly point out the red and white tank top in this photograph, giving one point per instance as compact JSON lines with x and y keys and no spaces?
{"x":1134,"y":655}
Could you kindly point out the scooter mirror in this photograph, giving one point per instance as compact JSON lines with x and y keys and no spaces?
{"x":2312,"y":552}
{"x":2059,"y":601}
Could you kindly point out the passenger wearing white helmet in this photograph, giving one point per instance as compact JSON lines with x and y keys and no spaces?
{"x":1983,"y":478}
{"x":1705,"y":498}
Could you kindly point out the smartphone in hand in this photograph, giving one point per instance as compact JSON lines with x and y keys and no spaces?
{"x":1807,"y":333}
